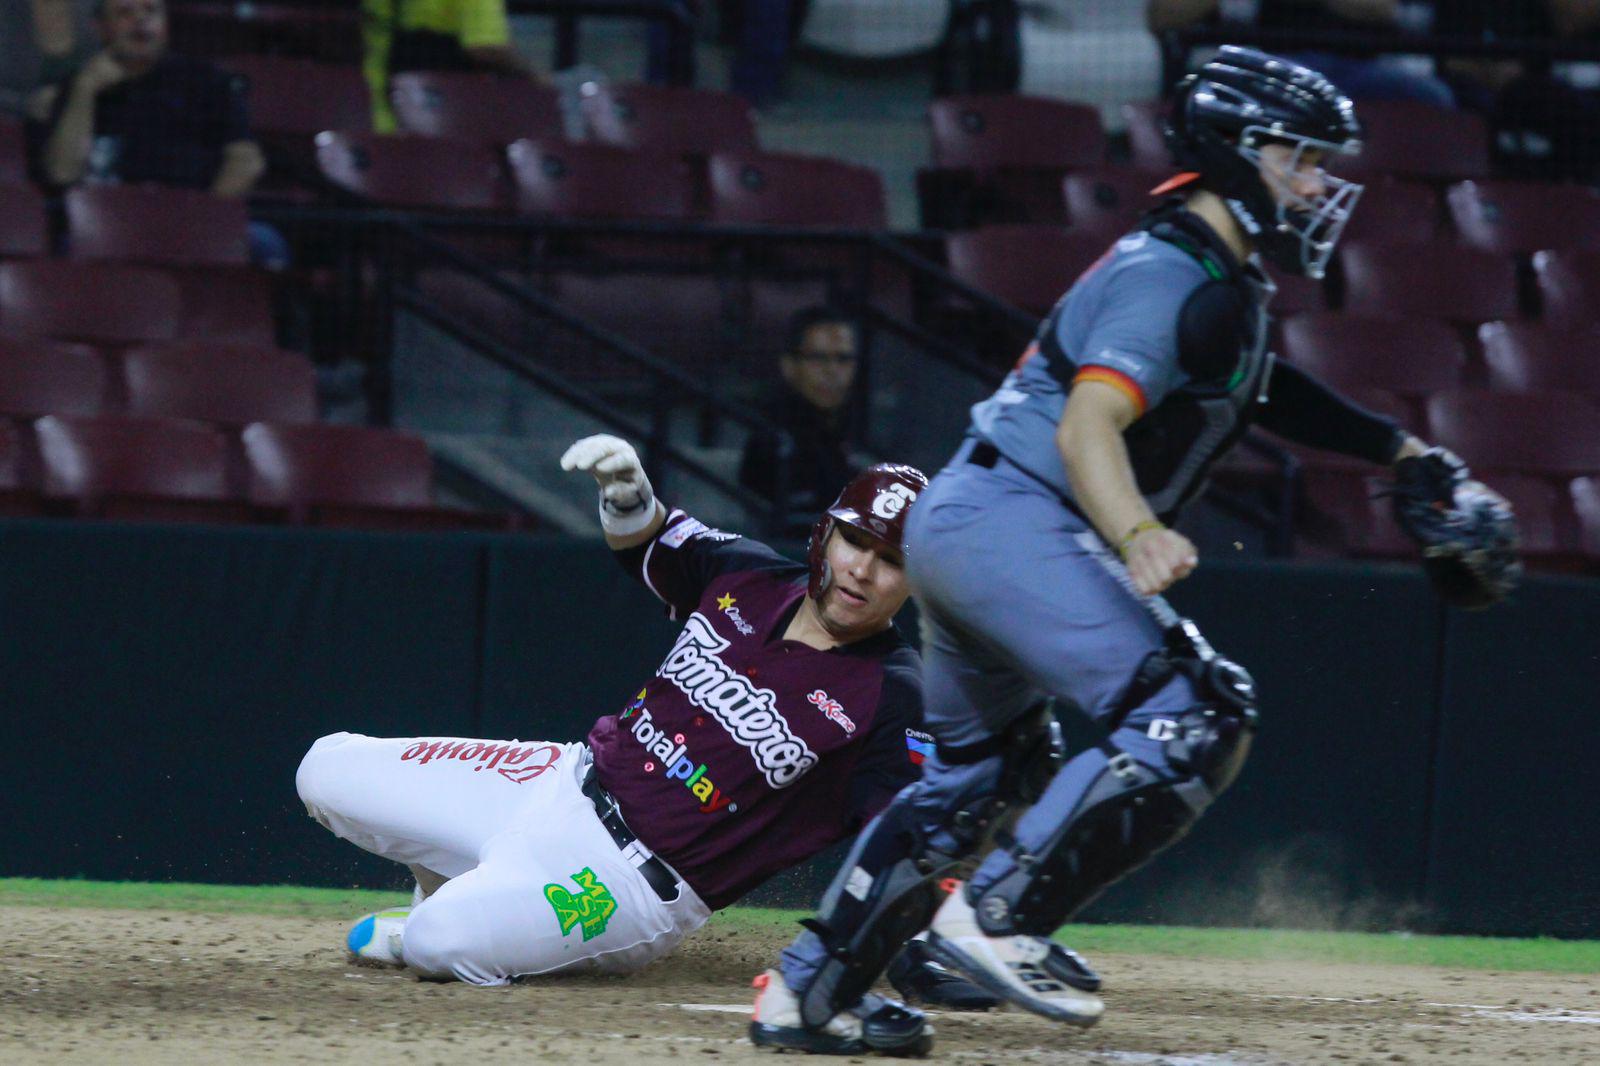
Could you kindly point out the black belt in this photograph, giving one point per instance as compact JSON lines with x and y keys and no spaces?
{"x":656,"y":872}
{"x":984,"y":454}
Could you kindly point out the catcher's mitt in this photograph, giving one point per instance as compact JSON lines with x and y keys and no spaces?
{"x":1467,"y":531}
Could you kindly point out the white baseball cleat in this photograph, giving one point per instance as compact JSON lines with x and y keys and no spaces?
{"x":875,"y":1025}
{"x":1016,"y":968}
{"x":375,"y":939}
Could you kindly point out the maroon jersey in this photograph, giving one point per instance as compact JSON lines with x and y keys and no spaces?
{"x":747,"y":753}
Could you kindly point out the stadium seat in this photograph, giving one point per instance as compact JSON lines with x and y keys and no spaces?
{"x":328,"y":31}
{"x":1407,"y":356}
{"x":24,"y":231}
{"x":1461,"y":285}
{"x":599,"y":181}
{"x":1528,"y":432}
{"x":405,"y":170}
{"x":338,"y":469}
{"x":752,"y":188}
{"x":19,"y":479}
{"x":228,"y":383}
{"x":145,"y":224}
{"x":1341,"y":507}
{"x":469,"y":106}
{"x":988,"y":132}
{"x":1145,"y":137}
{"x":1027,"y":266}
{"x":1586,"y":502}
{"x":296,"y":99}
{"x":13,"y":153}
{"x":1546,"y":524}
{"x":1408,"y":139}
{"x":1296,"y":293}
{"x":230,"y":305}
{"x":1536,"y":356}
{"x":689,"y":319}
{"x":41,"y":377}
{"x":105,"y":303}
{"x":1392,"y":211}
{"x":1513,"y":217}
{"x":1569,"y":285}
{"x":1108,"y":200}
{"x":119,"y":467}
{"x":666,"y":119}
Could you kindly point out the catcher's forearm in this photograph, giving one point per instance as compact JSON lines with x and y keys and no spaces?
{"x":1304,"y":410}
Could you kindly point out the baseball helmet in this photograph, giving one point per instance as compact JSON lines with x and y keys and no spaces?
{"x":875,"y":502}
{"x":1242,"y":100}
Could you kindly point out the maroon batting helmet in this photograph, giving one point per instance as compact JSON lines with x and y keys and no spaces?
{"x":875,"y":502}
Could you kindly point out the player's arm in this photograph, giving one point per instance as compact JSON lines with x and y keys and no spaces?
{"x":1089,"y":437}
{"x":886,"y":763}
{"x":66,"y":149}
{"x":1300,"y":408}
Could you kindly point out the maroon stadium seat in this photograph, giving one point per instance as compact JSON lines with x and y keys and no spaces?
{"x":1586,"y":502}
{"x":226,"y":304}
{"x":1536,"y":356}
{"x":19,"y":479}
{"x":1005,"y":130}
{"x":1024,"y":265}
{"x":328,"y":31}
{"x":1145,"y":119}
{"x":1391,"y":211}
{"x":405,"y":170}
{"x":1528,"y":432}
{"x":229,"y":383}
{"x":668,"y":119}
{"x":1461,"y":285}
{"x":752,"y":188}
{"x":1408,"y":139}
{"x":24,"y":231}
{"x":1520,"y":217}
{"x":599,"y":181}
{"x":1108,"y":200}
{"x":1546,"y":524}
{"x":108,"y":303}
{"x":1296,"y":293}
{"x":1569,"y":285}
{"x":683,"y":318}
{"x":1407,"y":356}
{"x":156,"y":225}
{"x":308,"y":466}
{"x":40,"y":377}
{"x":299,"y":98}
{"x":475,"y":107}
{"x":119,"y":467}
{"x":13,"y":153}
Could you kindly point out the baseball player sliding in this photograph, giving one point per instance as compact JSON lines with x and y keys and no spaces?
{"x":784,"y":717}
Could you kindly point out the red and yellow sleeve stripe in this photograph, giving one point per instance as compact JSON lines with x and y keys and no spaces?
{"x":1117,"y":380}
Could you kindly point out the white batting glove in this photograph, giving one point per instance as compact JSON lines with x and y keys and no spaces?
{"x":627,"y":502}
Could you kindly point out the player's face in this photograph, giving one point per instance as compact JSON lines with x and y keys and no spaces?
{"x":135,"y":31}
{"x":868,"y":587}
{"x":1291,"y":172}
{"x":824,"y":369}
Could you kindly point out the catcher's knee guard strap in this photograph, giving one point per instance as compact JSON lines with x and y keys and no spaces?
{"x":883,"y":895}
{"x":1031,"y":750}
{"x":1127,"y":815}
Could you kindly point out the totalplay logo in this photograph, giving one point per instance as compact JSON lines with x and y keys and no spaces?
{"x":676,"y":764}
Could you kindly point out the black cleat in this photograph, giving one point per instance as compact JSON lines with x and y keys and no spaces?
{"x":921,"y":978}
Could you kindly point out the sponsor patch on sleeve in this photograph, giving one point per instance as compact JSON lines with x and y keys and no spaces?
{"x":679,"y":534}
{"x":919,"y":745}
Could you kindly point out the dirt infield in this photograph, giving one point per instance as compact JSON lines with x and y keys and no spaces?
{"x":134,"y":987}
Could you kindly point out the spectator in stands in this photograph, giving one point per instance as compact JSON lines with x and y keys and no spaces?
{"x":1359,"y":76}
{"x":404,"y":35}
{"x":41,"y":41}
{"x":137,"y":113}
{"x":819,"y":376}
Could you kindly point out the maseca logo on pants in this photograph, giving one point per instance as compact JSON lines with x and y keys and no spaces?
{"x":749,"y":714}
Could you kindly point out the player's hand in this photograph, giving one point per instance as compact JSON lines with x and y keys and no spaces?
{"x":101,"y":72}
{"x":624,"y":489}
{"x":1157,"y":558}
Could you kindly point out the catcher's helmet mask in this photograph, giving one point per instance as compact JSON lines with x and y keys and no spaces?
{"x":875,"y":503}
{"x":1243,"y":100}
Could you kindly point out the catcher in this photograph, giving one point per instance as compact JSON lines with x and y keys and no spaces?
{"x":1038,"y":554}
{"x":785,"y":716}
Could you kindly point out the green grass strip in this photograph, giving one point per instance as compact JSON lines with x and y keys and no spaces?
{"x":1456,"y":952}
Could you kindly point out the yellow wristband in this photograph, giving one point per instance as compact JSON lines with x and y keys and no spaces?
{"x":1141,"y":527}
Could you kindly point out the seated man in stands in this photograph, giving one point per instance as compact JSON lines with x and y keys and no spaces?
{"x":787,"y":714}
{"x":819,"y":375}
{"x":1361,"y":77}
{"x":404,"y":35}
{"x":136,"y":113}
